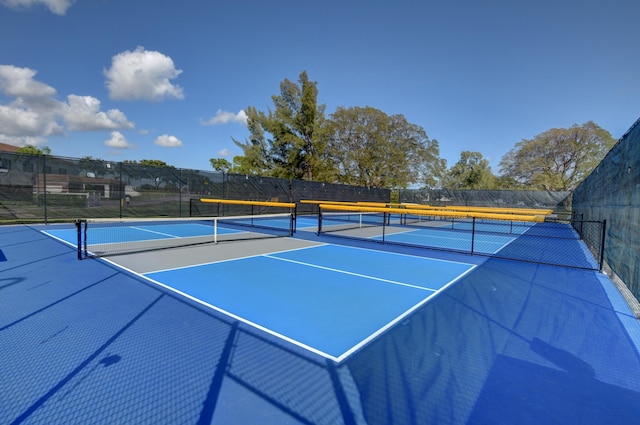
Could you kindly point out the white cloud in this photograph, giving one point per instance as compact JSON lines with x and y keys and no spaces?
{"x":19,"y":82}
{"x":59,"y":7}
{"x":23,"y":140}
{"x":224,"y":117}
{"x":34,"y":113}
{"x":83,"y":113}
{"x":168,"y":141}
{"x":224,"y":152}
{"x":142,"y":74}
{"x":19,"y":122}
{"x":118,"y":141}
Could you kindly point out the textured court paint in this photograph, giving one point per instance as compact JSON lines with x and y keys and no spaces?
{"x":509,"y":342}
{"x":331,"y":302}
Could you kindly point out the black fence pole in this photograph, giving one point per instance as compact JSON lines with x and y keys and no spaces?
{"x":44,"y":191}
{"x":122,"y":191}
{"x":604,"y":233}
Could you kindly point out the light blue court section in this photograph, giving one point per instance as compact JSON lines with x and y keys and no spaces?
{"x":114,"y":234}
{"x":307,"y":222}
{"x":450,"y":240}
{"x":329,"y":299}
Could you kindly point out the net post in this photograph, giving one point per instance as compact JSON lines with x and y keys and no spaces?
{"x":384,"y":225}
{"x":319,"y":220}
{"x":215,"y":230}
{"x":473,"y":233}
{"x":292,"y":227}
{"x":78,"y":224}
{"x":295,"y":219}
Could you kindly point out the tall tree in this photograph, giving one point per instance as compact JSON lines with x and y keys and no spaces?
{"x":285,"y":142}
{"x":471,"y":172}
{"x":559,"y":158}
{"x":371,"y":148}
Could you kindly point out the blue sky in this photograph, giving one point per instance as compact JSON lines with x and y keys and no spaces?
{"x":169,"y":80}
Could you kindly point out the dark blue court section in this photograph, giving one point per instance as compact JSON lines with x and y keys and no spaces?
{"x":509,"y":343}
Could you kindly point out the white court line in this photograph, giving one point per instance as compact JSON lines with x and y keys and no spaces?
{"x":233,"y":259}
{"x":152,"y":231}
{"x":227,"y":313}
{"x":350,"y":273}
{"x":353,"y":349}
{"x":400,"y":318}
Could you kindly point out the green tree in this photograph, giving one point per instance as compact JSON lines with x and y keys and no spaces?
{"x":559,"y":158}
{"x":221,"y":164}
{"x":371,"y":148}
{"x":284,"y":142}
{"x":256,"y":159}
{"x":32,"y":150}
{"x":471,"y":172}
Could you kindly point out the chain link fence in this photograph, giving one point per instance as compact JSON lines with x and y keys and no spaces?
{"x":44,"y":188}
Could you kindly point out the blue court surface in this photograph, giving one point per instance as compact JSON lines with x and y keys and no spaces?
{"x":301,"y":331}
{"x":330,"y":299}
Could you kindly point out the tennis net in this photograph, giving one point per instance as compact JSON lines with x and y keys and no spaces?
{"x":105,"y":237}
{"x":523,"y":237}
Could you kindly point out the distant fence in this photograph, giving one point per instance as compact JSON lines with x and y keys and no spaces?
{"x":559,"y":201}
{"x":43,"y":188}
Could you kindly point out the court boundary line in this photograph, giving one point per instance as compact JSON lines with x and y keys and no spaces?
{"x":366,"y":340}
{"x":151,"y":231}
{"x":234,"y":259}
{"x":225,"y":312}
{"x":331,"y":269}
{"x":401,"y":317}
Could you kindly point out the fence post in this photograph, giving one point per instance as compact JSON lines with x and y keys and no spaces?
{"x":44,"y":181}
{"x":604,"y":233}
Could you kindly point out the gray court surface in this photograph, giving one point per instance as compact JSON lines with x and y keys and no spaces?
{"x":144,"y":262}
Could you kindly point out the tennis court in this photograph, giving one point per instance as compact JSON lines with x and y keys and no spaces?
{"x":329,"y":299}
{"x":307,"y":328}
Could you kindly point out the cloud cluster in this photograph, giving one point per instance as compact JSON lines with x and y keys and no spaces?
{"x":142,"y":74}
{"x":118,"y":141}
{"x":224,"y":117}
{"x":168,"y":141}
{"x":33,"y":113}
{"x":59,"y":7}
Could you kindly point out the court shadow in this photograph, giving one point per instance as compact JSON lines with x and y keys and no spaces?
{"x":544,"y":336}
{"x":5,"y":283}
